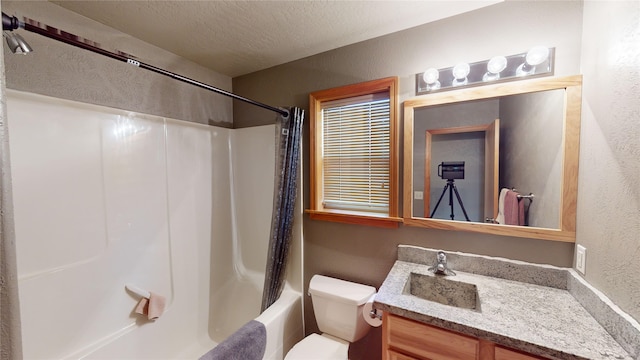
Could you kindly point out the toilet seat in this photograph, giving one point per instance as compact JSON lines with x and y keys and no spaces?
{"x":319,"y":347}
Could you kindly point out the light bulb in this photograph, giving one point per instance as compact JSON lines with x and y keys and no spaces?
{"x":537,"y":55}
{"x":494,"y":67}
{"x":460,"y":73}
{"x":431,"y":77}
{"x":497,"y":64}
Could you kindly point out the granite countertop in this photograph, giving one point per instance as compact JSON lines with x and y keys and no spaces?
{"x":520,"y":306}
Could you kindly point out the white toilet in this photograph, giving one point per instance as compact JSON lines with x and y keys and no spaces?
{"x":337,"y":305}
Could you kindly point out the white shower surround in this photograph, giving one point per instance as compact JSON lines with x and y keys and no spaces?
{"x":105,"y":197}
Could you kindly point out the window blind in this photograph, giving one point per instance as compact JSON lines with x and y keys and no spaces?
{"x":356,"y":153}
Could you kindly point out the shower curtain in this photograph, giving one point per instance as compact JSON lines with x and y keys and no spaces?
{"x":288,"y":140}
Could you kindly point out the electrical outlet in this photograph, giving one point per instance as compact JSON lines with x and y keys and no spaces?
{"x":581,"y":258}
{"x":418,"y":195}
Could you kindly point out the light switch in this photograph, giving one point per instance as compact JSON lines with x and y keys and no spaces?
{"x":417,"y":195}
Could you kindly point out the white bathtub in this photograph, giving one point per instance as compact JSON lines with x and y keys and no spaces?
{"x":282,"y":321}
{"x":283,"y":324}
{"x":104,"y":198}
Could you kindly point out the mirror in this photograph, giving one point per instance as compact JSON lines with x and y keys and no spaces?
{"x":463,"y":147}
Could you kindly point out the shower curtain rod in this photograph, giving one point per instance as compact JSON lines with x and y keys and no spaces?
{"x":11,"y":23}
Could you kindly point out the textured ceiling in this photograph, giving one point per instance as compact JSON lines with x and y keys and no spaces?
{"x":239,"y":37}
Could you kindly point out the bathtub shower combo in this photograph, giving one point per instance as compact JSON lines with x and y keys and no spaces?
{"x":105,"y":198}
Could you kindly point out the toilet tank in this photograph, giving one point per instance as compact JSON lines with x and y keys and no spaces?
{"x":337,"y":305}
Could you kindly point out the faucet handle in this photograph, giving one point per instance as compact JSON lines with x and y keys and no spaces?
{"x":440,"y":266}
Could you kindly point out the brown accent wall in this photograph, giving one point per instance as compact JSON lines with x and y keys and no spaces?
{"x":63,"y":71}
{"x":365,"y":254}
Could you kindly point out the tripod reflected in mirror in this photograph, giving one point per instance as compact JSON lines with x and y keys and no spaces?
{"x":451,"y":171}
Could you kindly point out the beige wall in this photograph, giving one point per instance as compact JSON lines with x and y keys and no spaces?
{"x":63,"y":71}
{"x":365,"y":254}
{"x":609,"y":180}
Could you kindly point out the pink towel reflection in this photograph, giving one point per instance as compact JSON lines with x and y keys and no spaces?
{"x":512,"y":209}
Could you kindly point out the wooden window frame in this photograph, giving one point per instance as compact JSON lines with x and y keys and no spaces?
{"x":317,"y":210}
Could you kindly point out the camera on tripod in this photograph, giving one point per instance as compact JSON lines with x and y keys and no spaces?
{"x":450,"y":170}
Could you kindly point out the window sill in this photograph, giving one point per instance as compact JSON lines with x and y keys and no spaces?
{"x":359,"y":218}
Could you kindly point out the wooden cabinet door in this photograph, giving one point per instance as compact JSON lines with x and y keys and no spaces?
{"x":506,"y":354}
{"x":392,"y":355}
{"x":404,"y":339}
{"x":428,"y":342}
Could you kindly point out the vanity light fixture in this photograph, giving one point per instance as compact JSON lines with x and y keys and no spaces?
{"x":538,"y":61}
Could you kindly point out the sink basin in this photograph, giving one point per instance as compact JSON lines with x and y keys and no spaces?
{"x":442,"y":290}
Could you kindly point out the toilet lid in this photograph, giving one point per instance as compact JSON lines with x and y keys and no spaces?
{"x":318,"y":347}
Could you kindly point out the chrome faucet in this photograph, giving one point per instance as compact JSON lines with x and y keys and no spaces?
{"x":441,"y":265}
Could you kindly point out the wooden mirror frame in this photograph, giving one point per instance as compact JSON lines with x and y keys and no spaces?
{"x":570,"y":146}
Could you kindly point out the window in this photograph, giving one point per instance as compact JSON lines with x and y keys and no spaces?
{"x":354,"y":155}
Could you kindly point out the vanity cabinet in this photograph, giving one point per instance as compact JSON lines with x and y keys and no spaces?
{"x":506,"y":354}
{"x":404,"y":339}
